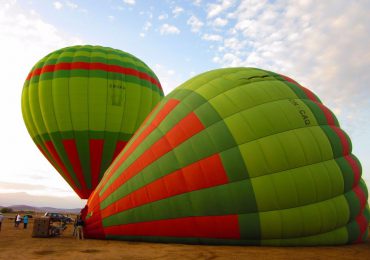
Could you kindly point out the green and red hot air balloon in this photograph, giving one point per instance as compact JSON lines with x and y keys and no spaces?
{"x":234,"y":156}
{"x":82,"y":104}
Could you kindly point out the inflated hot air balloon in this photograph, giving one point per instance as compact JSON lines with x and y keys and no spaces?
{"x":82,"y":104}
{"x":237,"y":156}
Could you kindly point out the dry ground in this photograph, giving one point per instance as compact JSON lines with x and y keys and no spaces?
{"x":17,"y":243}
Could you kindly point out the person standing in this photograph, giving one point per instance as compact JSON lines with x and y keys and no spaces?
{"x":79,"y":226}
{"x":75,"y":228}
{"x":1,"y":219}
{"x":18,"y":220}
{"x":25,"y":221}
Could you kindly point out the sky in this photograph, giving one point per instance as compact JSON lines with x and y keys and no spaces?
{"x":324,"y":45}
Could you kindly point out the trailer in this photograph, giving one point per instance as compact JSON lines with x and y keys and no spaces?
{"x":44,"y":227}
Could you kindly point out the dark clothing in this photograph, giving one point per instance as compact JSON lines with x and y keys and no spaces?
{"x":79,"y":228}
{"x":1,"y":220}
{"x":80,"y":222}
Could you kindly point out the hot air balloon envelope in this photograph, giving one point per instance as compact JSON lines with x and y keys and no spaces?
{"x":237,"y":156}
{"x":82,"y":104}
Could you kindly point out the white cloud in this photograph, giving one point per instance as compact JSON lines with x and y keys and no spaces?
{"x":129,"y":2}
{"x":177,"y":11}
{"x":30,"y":199}
{"x":168,"y":77}
{"x":219,"y":22}
{"x":25,"y":38}
{"x":197,"y":2}
{"x":162,"y":17}
{"x":147,"y":26}
{"x":215,"y":9}
{"x":232,"y":59}
{"x":212,"y":37}
{"x":5,"y":186}
{"x":111,"y":18}
{"x":195,"y":23}
{"x":71,"y":5}
{"x":58,"y":5}
{"x":234,"y":44}
{"x":168,"y":29}
{"x":323,"y":45}
{"x":216,"y":59}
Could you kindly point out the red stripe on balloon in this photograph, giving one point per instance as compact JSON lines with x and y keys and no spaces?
{"x":360,"y":219}
{"x":360,"y":195}
{"x":308,"y":93}
{"x":289,"y":79}
{"x":363,"y":225}
{"x":93,"y":227}
{"x":328,"y":115}
{"x":92,"y":66}
{"x":343,"y":140}
{"x":119,"y":147}
{"x":72,"y":153}
{"x":96,"y":152}
{"x":221,"y":227}
{"x":185,"y":129}
{"x":50,"y":147}
{"x":355,"y":169}
{"x":187,"y":179}
{"x":167,"y":108}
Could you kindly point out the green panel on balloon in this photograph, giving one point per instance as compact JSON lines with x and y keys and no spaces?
{"x":83,"y":103}
{"x":98,"y":95}
{"x":280,"y":151}
{"x":291,"y":188}
{"x":237,"y":156}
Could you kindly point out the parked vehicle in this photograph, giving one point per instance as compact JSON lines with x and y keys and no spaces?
{"x":58,"y":217}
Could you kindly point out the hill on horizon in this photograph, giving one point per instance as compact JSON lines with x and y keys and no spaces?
{"x":42,"y":209}
{"x":35,"y":201}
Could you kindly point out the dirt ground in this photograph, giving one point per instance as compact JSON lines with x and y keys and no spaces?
{"x":17,"y":243}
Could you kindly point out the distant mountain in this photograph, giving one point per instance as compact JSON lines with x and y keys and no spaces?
{"x":23,"y":198}
{"x":42,"y":209}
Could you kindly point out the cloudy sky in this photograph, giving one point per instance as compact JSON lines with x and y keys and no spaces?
{"x":324,"y":45}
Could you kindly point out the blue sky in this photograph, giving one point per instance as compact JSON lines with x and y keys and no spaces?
{"x":324,"y":45}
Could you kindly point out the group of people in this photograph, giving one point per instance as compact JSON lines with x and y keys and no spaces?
{"x":18,"y":219}
{"x":77,"y":231}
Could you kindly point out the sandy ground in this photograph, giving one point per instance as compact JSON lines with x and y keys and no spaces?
{"x":17,"y":243}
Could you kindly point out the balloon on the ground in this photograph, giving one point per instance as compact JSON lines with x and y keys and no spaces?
{"x":237,"y":156}
{"x":81,"y":105}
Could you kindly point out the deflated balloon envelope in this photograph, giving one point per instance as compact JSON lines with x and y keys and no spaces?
{"x":234,"y":156}
{"x":82,"y":104}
